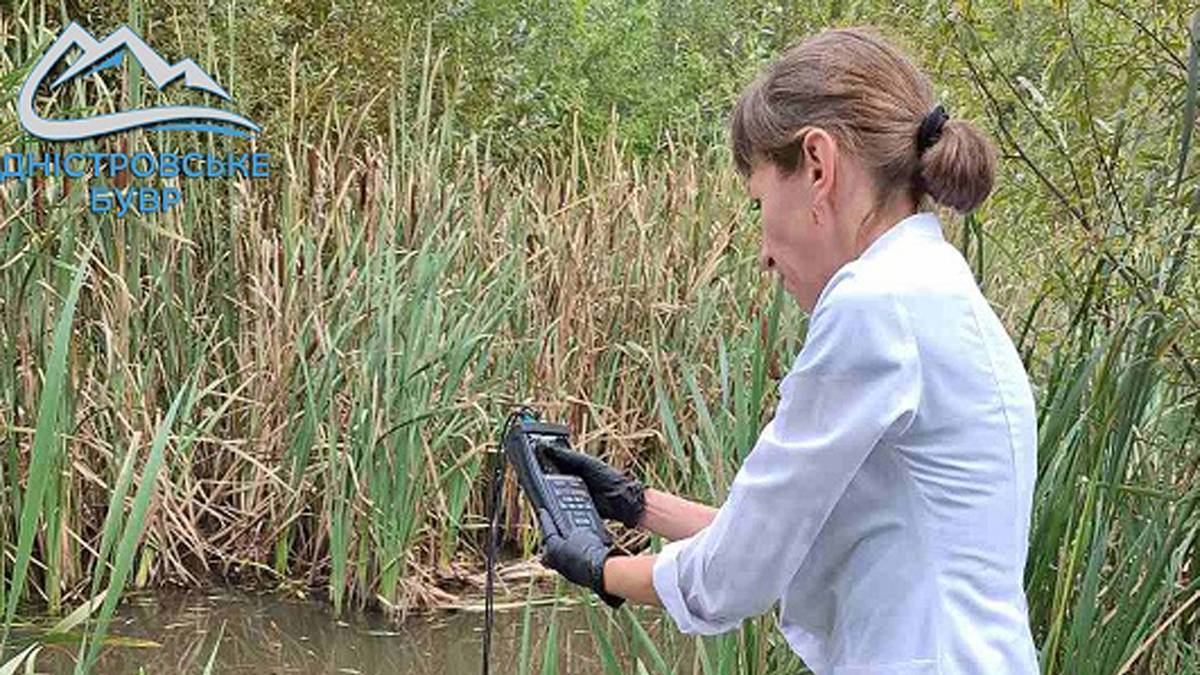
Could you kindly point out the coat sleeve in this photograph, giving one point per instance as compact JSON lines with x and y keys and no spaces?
{"x":856,"y":381}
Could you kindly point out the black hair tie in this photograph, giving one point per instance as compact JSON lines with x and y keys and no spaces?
{"x":931,"y":128}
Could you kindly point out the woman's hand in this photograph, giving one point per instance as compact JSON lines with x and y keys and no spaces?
{"x":617,"y":495}
{"x":579,"y":557}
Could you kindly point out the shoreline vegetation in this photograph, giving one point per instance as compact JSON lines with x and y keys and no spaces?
{"x":294,"y":382}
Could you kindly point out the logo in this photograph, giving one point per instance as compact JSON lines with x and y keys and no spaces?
{"x":108,"y":53}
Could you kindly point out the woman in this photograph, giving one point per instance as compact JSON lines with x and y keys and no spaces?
{"x":886,"y":504}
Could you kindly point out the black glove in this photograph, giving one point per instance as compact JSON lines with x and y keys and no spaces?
{"x":579,"y":557}
{"x":617,"y":495}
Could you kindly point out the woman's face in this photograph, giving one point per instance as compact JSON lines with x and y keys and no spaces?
{"x":796,"y":245}
{"x":815,"y":219}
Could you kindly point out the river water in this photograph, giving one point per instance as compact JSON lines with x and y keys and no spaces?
{"x":267,"y":635}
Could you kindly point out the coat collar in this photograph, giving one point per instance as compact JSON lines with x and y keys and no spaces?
{"x":922,"y":224}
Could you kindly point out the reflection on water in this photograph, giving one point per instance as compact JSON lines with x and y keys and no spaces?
{"x":267,"y":635}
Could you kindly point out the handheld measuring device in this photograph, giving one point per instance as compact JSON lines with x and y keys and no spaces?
{"x":564,"y":496}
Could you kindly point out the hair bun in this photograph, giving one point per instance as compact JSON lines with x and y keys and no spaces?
{"x":958,"y":167}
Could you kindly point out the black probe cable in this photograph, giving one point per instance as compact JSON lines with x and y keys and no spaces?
{"x":495,"y":492}
{"x":496,"y":475}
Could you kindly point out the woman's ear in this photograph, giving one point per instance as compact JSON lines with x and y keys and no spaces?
{"x":820,"y":157}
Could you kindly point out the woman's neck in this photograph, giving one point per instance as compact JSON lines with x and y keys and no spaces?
{"x":882,"y":220}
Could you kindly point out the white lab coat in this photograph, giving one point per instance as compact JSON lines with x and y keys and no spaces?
{"x":886,"y":505}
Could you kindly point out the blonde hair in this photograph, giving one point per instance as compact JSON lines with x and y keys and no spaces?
{"x":868,"y":94}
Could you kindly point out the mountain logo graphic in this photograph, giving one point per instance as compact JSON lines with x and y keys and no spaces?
{"x":107,"y":53}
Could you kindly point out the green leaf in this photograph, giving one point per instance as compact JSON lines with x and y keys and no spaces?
{"x":46,"y":445}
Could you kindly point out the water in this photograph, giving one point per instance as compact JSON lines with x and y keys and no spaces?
{"x":268,"y":635}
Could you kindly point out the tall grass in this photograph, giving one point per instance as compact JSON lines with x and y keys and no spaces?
{"x":336,"y":346}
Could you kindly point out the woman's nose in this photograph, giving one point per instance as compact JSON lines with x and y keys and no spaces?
{"x":765,"y":259}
